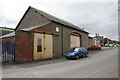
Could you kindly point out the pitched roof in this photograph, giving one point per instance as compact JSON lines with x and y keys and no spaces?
{"x":8,"y":35}
{"x":5,"y":28}
{"x":90,"y":37}
{"x":55,"y":19}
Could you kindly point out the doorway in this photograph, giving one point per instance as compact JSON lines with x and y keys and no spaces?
{"x":43,"y":48}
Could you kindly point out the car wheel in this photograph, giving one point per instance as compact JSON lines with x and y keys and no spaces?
{"x":86,"y":55}
{"x":76,"y":57}
{"x":67,"y":58}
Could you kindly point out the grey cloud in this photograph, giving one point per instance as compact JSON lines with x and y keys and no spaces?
{"x":95,"y":17}
{"x":4,"y":22}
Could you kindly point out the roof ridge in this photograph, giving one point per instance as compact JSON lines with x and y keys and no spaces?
{"x":56,"y":19}
{"x":53,"y":18}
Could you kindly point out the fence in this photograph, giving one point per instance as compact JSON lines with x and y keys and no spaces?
{"x":8,"y":52}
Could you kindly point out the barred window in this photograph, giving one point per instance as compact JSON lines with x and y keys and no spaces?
{"x":39,"y":45}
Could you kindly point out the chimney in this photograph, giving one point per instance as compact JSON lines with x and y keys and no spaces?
{"x":96,"y":34}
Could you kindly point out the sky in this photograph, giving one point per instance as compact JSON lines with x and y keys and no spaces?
{"x":95,"y":16}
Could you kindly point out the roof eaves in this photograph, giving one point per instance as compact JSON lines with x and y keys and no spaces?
{"x":77,"y":28}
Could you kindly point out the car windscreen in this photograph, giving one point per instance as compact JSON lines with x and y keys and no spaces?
{"x":75,"y":49}
{"x":84,"y":49}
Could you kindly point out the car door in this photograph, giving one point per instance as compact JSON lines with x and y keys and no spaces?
{"x":94,"y":47}
{"x":81,"y":52}
{"x":85,"y":51}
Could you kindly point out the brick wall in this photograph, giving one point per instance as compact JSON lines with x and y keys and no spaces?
{"x":24,"y":46}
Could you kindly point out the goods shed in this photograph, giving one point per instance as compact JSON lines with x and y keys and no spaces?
{"x":40,"y":36}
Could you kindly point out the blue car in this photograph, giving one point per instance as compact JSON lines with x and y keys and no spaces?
{"x":76,"y":53}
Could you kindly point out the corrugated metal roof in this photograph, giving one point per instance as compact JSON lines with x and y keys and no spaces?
{"x":8,"y":35}
{"x":53,"y":18}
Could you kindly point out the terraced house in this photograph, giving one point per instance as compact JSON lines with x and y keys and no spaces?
{"x":40,"y":36}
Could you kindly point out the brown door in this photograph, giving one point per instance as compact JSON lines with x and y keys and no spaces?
{"x":74,"y":41}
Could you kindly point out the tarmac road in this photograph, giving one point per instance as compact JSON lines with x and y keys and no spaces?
{"x":102,"y":64}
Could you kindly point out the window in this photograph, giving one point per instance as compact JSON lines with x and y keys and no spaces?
{"x":57,"y":29}
{"x":76,"y":49}
{"x":39,"y":45}
{"x":84,"y":49}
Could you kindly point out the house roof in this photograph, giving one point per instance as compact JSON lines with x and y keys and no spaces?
{"x":8,"y":35}
{"x":8,"y":29}
{"x":90,"y":37}
{"x":53,"y":18}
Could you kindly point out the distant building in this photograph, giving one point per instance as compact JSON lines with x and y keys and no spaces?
{"x":91,"y":41}
{"x":98,"y":39}
{"x":107,"y":41}
{"x":94,"y":41}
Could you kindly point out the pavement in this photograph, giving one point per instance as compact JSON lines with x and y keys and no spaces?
{"x":104,"y":48}
{"x":49,"y":61}
{"x":99,"y":64}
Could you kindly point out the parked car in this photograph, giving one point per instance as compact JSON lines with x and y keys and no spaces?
{"x":106,"y":45}
{"x":95,"y":47}
{"x":76,"y":53}
{"x":111,"y":45}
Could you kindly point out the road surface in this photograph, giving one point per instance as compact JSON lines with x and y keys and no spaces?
{"x":101,"y":64}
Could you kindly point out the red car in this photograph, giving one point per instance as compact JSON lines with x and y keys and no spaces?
{"x":95,"y":47}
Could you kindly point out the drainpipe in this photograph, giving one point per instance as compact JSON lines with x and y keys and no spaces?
{"x":62,"y":39}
